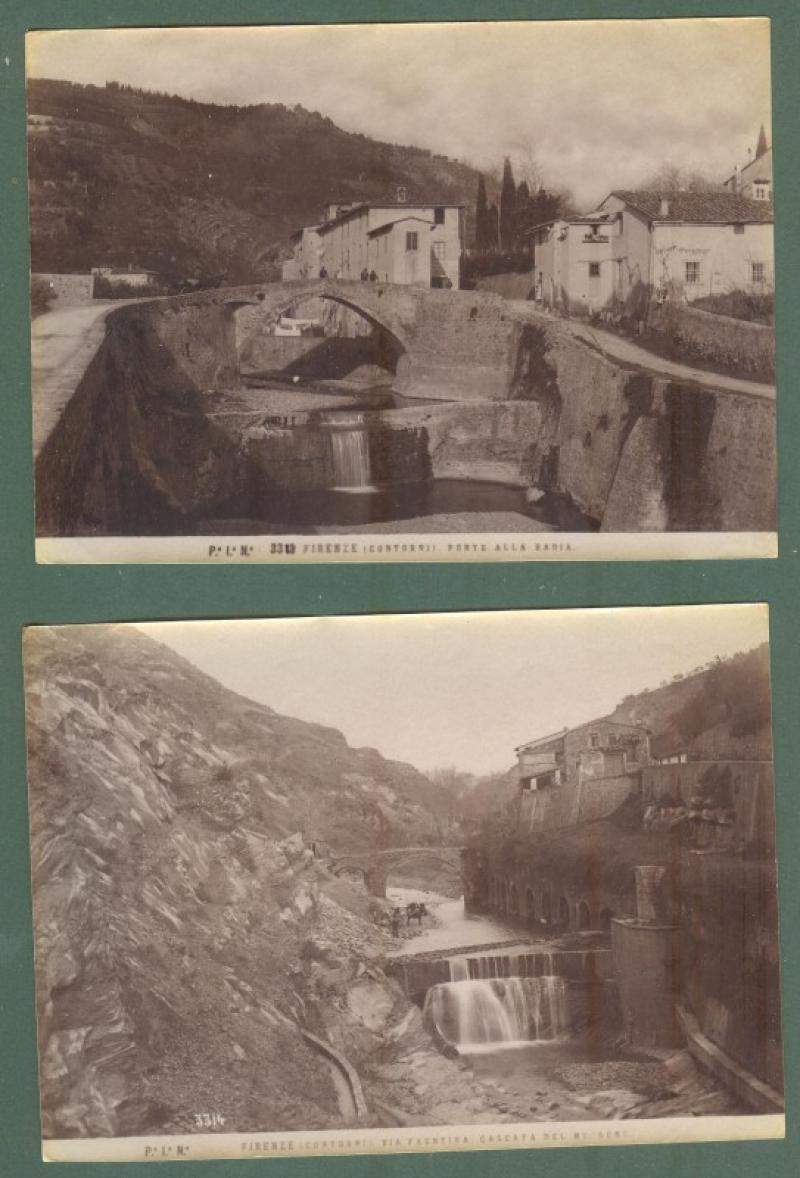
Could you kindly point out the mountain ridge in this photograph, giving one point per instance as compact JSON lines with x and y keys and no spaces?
{"x":119,"y":176}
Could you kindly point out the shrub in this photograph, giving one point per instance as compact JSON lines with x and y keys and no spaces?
{"x":42,"y":295}
{"x":476,"y":266}
{"x":740,"y":304}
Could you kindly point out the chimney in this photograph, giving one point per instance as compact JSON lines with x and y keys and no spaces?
{"x":664,"y":207}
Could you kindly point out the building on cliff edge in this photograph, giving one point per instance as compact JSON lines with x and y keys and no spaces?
{"x":579,"y":774}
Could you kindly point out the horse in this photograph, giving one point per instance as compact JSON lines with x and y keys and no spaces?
{"x":415,"y":911}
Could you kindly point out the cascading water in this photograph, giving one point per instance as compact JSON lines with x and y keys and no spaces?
{"x":473,"y":1014}
{"x":542,"y":963}
{"x":351,"y":461}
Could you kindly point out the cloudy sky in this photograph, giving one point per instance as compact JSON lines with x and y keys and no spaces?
{"x":593,"y":104}
{"x":460,"y":689}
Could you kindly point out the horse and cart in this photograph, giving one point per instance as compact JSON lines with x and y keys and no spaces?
{"x":416,"y":910}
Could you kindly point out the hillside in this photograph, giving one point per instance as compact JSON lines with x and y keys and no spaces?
{"x":722,"y":709}
{"x":717,"y":711}
{"x":240,"y":762}
{"x":128,"y":177}
{"x":186,"y":933}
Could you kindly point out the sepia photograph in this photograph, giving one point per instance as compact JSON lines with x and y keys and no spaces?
{"x":306,"y":293}
{"x":293,"y":897}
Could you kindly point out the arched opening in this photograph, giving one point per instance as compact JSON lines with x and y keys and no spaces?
{"x":530,"y":906}
{"x":317,"y":338}
{"x":513,"y":900}
{"x":422,"y":872}
{"x":604,"y":919}
{"x":563,"y":912}
{"x":545,"y":909}
{"x":584,"y":916}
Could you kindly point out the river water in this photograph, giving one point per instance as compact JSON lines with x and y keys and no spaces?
{"x":455,"y":929}
{"x":365,"y":492}
{"x":516,"y":1033}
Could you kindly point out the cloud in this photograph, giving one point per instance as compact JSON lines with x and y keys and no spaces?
{"x":598,"y":103}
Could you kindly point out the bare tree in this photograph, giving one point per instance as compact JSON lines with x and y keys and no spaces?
{"x":672,"y":177}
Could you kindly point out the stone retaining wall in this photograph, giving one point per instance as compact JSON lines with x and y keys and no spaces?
{"x":137,"y":449}
{"x":719,"y":341}
{"x":69,"y":289}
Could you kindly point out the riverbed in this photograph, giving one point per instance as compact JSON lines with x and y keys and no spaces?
{"x":380,"y":474}
{"x":581,"y":1072}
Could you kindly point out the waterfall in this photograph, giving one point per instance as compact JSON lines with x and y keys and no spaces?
{"x":459,"y":969}
{"x":503,"y":965}
{"x":473,"y":1013}
{"x":351,"y":464}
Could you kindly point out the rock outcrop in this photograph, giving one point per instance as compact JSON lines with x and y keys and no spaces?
{"x":185,"y":929}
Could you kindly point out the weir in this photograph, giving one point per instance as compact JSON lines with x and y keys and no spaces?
{"x":157,"y":437}
{"x":485,"y":1013}
{"x":352,"y":469}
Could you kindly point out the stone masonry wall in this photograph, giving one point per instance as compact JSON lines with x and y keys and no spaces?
{"x":69,"y":289}
{"x":735,"y":345}
{"x":528,"y":405}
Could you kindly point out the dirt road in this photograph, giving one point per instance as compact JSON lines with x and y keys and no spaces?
{"x":63,"y":343}
{"x":628,"y":352}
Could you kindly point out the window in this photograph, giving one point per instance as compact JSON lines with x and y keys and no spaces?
{"x":594,"y":269}
{"x":612,"y":738}
{"x":692,"y":274}
{"x":438,"y":250}
{"x":759,"y":272}
{"x":411,"y":242}
{"x":761,"y":191}
{"x":438,"y":216}
{"x":594,"y":740}
{"x":738,"y":229}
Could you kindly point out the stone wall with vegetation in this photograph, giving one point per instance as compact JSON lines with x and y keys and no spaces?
{"x":718,"y":341}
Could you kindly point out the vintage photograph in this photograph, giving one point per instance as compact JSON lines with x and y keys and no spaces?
{"x":292,"y":896}
{"x":299,"y":293}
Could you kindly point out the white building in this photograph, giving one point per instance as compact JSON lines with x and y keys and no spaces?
{"x":681,"y":245}
{"x":306,"y":258}
{"x":754,"y":179}
{"x":397,"y":241}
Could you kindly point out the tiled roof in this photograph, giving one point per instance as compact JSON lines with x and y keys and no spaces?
{"x":698,"y":207}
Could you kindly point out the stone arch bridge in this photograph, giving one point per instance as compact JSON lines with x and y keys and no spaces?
{"x":448,"y":344}
{"x":130,"y":442}
{"x":374,"y":867}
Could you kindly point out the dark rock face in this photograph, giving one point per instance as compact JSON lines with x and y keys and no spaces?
{"x":174,"y":894}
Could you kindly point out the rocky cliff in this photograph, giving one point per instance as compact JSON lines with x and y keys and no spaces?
{"x":186,"y":933}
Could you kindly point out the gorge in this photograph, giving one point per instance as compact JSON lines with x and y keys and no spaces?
{"x":213,"y":940}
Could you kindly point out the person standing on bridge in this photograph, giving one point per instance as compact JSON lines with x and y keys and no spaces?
{"x":365,"y":275}
{"x":396,"y":921}
{"x":323,"y":273}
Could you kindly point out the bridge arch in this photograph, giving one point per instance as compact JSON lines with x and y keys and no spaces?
{"x":376,"y":866}
{"x":373,"y":302}
{"x":583,"y":916}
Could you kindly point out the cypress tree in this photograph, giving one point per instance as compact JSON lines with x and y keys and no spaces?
{"x":492,"y":228}
{"x":508,"y":208}
{"x":482,"y":226}
{"x":523,"y":212}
